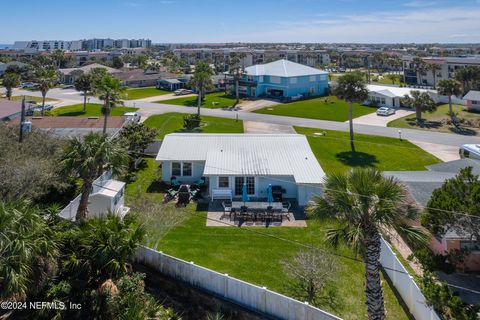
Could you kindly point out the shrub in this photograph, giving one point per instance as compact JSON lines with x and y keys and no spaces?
{"x":191,"y":122}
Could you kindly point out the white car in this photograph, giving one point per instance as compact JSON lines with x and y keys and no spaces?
{"x":385,"y":111}
{"x":181,"y":92}
{"x":132,"y":116}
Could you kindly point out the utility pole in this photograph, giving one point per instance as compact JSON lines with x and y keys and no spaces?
{"x":22,"y":119}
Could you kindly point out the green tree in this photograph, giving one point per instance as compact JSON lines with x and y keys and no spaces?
{"x":420,"y":67}
{"x":393,"y":77}
{"x":458,"y":194}
{"x":202,"y":81}
{"x":11,"y":80}
{"x":434,"y":68}
{"x":109,"y":89}
{"x":117,"y":62}
{"x":449,"y":87}
{"x":469,"y":77}
{"x":28,"y":250}
{"x":236,"y":70}
{"x":420,"y":101}
{"x":46,"y":79}
{"x":88,"y":158}
{"x":136,"y":137}
{"x":364,"y":203}
{"x":352,"y":88}
{"x":84,"y":83}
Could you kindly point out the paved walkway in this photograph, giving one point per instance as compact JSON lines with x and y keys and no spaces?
{"x":374,"y":120}
{"x":266,"y":128}
{"x":441,"y":151}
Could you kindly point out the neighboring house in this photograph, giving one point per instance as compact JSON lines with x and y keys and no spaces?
{"x":421,"y":184}
{"x":283,"y":79}
{"x":108,"y":197}
{"x":142,"y":78}
{"x":172,"y":84}
{"x":69,"y":75}
{"x":447,"y":66}
{"x":230,"y":160}
{"x":389,"y":96}
{"x":472,"y":99}
{"x":9,"y":109}
{"x":74,"y":126}
{"x":4,"y":66}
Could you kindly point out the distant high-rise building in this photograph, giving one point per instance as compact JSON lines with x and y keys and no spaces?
{"x":78,"y":45}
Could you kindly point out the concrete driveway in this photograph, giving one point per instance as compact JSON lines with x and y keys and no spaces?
{"x":164,"y":97}
{"x":248,"y":106}
{"x":373,"y":119}
{"x":266,"y":128}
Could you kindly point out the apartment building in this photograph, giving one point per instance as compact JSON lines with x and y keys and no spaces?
{"x":219,"y":56}
{"x":446,"y":68}
{"x":35,"y":46}
{"x":47,"y":45}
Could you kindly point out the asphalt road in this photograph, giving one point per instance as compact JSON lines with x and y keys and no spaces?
{"x":150,"y":108}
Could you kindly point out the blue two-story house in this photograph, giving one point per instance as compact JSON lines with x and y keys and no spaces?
{"x":283,"y":79}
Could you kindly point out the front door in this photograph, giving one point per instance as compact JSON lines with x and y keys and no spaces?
{"x":250,"y":181}
{"x":254,"y":91}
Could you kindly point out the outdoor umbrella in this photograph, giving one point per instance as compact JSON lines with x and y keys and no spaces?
{"x":269,"y":194}
{"x":244,"y":193}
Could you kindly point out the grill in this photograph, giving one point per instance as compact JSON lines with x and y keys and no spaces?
{"x":277,"y":193}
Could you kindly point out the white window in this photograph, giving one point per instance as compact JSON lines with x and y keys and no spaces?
{"x":293,"y":80}
{"x":176,"y":169}
{"x":274,"y":79}
{"x":260,"y":79}
{"x":312,"y":90}
{"x":313,"y":78}
{"x":187,"y":169}
{"x":223,"y":182}
{"x":323,"y":77}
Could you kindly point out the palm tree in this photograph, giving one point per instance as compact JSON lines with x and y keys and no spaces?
{"x":420,"y":67}
{"x":351,"y":88}
{"x":59,"y":57}
{"x":434,"y":68}
{"x":84,"y":84}
{"x":236,"y":70}
{"x":109,"y":89}
{"x":28,"y":249}
{"x":449,"y":87}
{"x":364,"y":203}
{"x":420,"y":101}
{"x":88,"y":158}
{"x":202,"y":80}
{"x":11,"y":80}
{"x":46,"y":79}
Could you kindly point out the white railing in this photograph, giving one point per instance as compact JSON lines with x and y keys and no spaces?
{"x":405,"y":285}
{"x":70,"y":210}
{"x":252,"y":297}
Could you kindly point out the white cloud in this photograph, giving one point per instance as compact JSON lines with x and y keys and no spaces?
{"x":421,"y":3}
{"x":426,"y":25}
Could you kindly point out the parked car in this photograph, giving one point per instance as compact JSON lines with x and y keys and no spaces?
{"x":27,"y":85}
{"x":385,"y":111}
{"x":471,"y":151}
{"x":132,"y":116}
{"x":181,"y":92}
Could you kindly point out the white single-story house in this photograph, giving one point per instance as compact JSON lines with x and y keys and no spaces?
{"x":389,"y":96}
{"x":230,"y":160}
{"x":107,"y":197}
{"x":472,"y":99}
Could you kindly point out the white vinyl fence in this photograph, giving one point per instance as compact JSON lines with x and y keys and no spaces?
{"x":406,"y":287}
{"x":70,"y":210}
{"x":250,"y":296}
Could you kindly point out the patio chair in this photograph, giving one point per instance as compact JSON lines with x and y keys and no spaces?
{"x":227,"y":209}
{"x":286,"y":205}
{"x":183,"y":195}
{"x":174,"y":183}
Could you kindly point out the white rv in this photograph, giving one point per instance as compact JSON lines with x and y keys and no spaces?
{"x":471,"y":151}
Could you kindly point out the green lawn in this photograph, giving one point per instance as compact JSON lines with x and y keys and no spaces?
{"x":433,"y":120}
{"x":93,"y":110}
{"x":250,"y":254}
{"x":32,"y":98}
{"x":324,"y":108}
{"x":387,"y":154}
{"x":385,"y":80}
{"x":173,"y":122}
{"x":140,"y":93}
{"x":212,"y":100}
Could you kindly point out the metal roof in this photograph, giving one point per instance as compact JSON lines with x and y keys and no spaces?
{"x":109,"y":188}
{"x":472,"y":95}
{"x":392,"y":92}
{"x":282,"y":68}
{"x":246,"y":154}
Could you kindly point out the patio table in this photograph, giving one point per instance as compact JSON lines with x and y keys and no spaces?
{"x":255,"y":205}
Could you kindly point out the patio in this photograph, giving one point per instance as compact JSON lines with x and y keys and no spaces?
{"x":255,"y":215}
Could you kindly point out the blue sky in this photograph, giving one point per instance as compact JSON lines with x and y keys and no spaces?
{"x":244,"y":20}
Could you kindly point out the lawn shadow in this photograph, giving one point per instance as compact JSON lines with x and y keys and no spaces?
{"x":425,"y":124}
{"x":158,"y":186}
{"x":463,"y":131}
{"x":72,"y":114}
{"x":357,"y":159}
